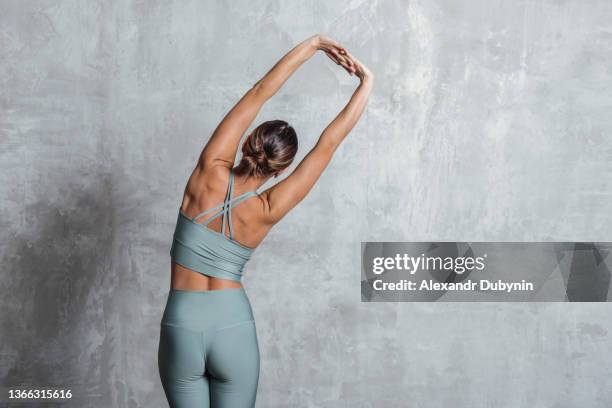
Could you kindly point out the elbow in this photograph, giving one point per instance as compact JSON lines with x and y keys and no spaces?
{"x":261,"y":90}
{"x":328,"y":146}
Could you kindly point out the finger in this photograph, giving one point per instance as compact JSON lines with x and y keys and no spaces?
{"x":332,"y":57}
{"x":347,"y":69}
{"x":342,"y":59}
{"x":344,"y":54}
{"x":352,"y":63}
{"x":346,"y":64}
{"x":349,"y":63}
{"x":351,"y":67}
{"x":342,"y":62}
{"x":336,"y":54}
{"x":349,"y":59}
{"x":355,"y":61}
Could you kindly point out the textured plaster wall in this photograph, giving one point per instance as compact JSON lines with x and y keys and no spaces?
{"x":490,"y":120}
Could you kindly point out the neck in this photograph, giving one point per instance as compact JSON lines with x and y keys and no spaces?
{"x":246,"y":183}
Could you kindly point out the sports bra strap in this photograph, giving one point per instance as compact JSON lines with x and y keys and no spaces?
{"x":242,"y":197}
{"x":206,"y":212}
{"x":235,"y":202}
{"x":226,"y":207}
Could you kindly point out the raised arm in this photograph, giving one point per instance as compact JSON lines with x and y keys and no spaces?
{"x":222,"y":147}
{"x":286,"y":194}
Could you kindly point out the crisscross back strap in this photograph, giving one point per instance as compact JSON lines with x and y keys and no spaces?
{"x":226,"y":207}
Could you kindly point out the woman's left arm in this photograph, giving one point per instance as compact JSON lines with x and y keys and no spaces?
{"x":222,"y":147}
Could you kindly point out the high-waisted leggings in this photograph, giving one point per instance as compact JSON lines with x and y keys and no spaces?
{"x":208,"y":353}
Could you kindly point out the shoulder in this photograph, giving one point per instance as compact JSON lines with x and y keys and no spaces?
{"x":206,"y":179}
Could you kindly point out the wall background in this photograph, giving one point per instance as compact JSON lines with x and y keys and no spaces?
{"x":490,"y":121}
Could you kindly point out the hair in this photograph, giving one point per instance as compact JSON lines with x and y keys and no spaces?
{"x":269,"y":148}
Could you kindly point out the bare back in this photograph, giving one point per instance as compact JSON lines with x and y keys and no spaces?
{"x":251,"y":223}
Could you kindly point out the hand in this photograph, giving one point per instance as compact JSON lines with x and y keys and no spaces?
{"x":335,"y":52}
{"x":361,"y":71}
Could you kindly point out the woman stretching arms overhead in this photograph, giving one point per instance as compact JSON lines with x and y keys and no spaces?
{"x":208,"y":351}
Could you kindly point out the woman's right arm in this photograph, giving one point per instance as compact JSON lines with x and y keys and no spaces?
{"x":285,"y":195}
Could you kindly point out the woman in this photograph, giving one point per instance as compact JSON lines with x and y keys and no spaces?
{"x":208,"y":351}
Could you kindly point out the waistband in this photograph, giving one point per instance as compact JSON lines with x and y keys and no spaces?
{"x":204,"y":310}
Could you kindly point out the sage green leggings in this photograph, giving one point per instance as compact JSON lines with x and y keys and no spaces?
{"x":208,"y":354}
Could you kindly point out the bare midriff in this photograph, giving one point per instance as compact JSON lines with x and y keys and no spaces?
{"x":186,"y":279}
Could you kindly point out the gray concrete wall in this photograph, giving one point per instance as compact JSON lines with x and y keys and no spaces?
{"x":490,"y":121}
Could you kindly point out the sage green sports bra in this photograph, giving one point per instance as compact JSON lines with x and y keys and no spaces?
{"x":211,"y":253}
